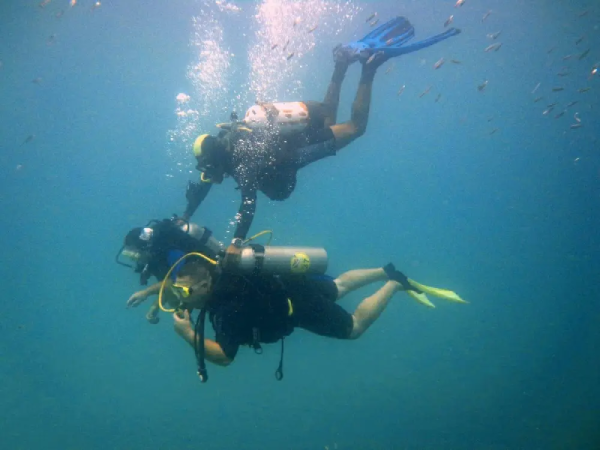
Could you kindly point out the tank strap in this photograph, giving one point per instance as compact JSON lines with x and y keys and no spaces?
{"x":199,"y":346}
{"x":205,"y":236}
{"x":256,"y":341}
{"x":259,"y":258}
{"x":279,"y":371}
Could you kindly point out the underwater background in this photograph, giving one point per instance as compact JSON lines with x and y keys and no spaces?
{"x":473,"y":186}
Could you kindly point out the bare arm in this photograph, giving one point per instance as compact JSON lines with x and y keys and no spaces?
{"x":142,"y":295}
{"x":212,"y":350}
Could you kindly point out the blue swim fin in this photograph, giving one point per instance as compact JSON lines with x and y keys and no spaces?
{"x":389,"y":39}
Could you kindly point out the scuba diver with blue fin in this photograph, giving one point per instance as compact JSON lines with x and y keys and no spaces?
{"x":264,"y":151}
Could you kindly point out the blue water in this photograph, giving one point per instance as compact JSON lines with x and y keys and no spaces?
{"x":509,"y":220}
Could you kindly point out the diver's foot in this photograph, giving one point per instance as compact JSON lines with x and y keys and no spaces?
{"x":342,"y":54}
{"x":397,"y":276}
{"x":152,"y":318}
{"x":373,"y":60}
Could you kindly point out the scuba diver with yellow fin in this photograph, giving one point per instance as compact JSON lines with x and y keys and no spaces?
{"x":264,"y":151}
{"x":270,"y":292}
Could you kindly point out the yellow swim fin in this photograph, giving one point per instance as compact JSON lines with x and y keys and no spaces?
{"x":421,"y":298}
{"x":437,"y":292}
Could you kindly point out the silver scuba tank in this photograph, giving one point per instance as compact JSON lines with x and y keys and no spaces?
{"x":283,"y":260}
{"x":197,"y":232}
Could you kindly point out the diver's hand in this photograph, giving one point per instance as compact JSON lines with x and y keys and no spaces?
{"x":232,"y":258}
{"x":182,"y":323}
{"x":137,"y":299}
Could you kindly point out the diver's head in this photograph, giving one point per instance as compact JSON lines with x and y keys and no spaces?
{"x":210,"y":154}
{"x":193,"y":284}
{"x":136,"y":244}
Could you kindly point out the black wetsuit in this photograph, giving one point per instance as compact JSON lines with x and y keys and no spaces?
{"x":253,"y":310}
{"x":258,"y":162}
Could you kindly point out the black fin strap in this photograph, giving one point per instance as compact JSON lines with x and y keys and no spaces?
{"x":199,"y":346}
{"x":279,"y":371}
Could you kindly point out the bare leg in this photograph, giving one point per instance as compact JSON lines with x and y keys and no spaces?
{"x":332,"y":97}
{"x":348,"y":131}
{"x":371,"y":308}
{"x":355,"y":279}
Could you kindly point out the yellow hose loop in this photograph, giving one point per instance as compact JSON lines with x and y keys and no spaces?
{"x":262,"y":233}
{"x":164,"y":281}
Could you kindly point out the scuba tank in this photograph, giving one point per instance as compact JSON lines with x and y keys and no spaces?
{"x":202,"y":235}
{"x":260,"y":259}
{"x":285,"y":118}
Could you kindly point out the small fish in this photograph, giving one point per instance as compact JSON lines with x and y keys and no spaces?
{"x":59,"y":14}
{"x":552,"y":105}
{"x":459,"y":3}
{"x":440,"y":62}
{"x":371,"y":17}
{"x":575,"y":126}
{"x":584,"y":54}
{"x":72,"y":3}
{"x":373,"y":56}
{"x":486,"y":15}
{"x":425,"y":92}
{"x":274,"y":46}
{"x":551,"y":50}
{"x":51,"y":39}
{"x":28,"y":139}
{"x":557,"y":89}
{"x":290,"y":56}
{"x":582,"y":90}
{"x":437,"y":99}
{"x":567,"y":57}
{"x":548,"y":111}
{"x":19,"y":167}
{"x":493,"y":47}
{"x":455,"y":61}
{"x":37,"y":80}
{"x":482,"y":86}
{"x":490,"y":119}
{"x":44,"y":3}
{"x":494,"y":36}
{"x":310,"y":30}
{"x":559,"y":115}
{"x":564,"y":73}
{"x":537,"y":99}
{"x":573,"y":103}
{"x":494,"y":131}
{"x":448,"y":21}
{"x":576,"y":117}
{"x":576,"y":159}
{"x":594,"y":71}
{"x":401,"y":90}
{"x":374,"y":22}
{"x":286,"y":45}
{"x":537,"y":86}
{"x":96,"y":6}
{"x":583,"y":13}
{"x":578,"y":41}
{"x":389,"y":69}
